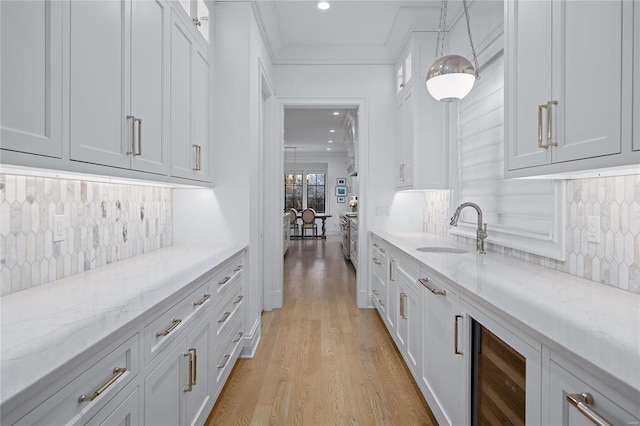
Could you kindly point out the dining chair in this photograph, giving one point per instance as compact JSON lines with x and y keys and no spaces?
{"x":293,"y":221}
{"x":309,"y":222}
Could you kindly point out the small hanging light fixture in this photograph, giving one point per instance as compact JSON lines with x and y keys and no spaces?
{"x":451,"y":77}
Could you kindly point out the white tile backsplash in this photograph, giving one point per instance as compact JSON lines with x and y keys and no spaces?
{"x":103,"y":223}
{"x":615,"y":261}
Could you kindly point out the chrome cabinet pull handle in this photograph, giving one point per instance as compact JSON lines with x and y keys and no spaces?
{"x":195,"y":364}
{"x":205,"y":297}
{"x":139,"y":121}
{"x":582,"y":401}
{"x":238,"y":300}
{"x":190,"y":384}
{"x":377,"y":261}
{"x":540,"y":144}
{"x":392,"y":264}
{"x":133,"y":135}
{"x":238,"y":268}
{"x":225,"y":280}
{"x":455,"y":336}
{"x":403,"y":305}
{"x":239,"y":336}
{"x":425,"y":282}
{"x":174,"y":324}
{"x":224,"y":317}
{"x":197,"y":22}
{"x":550,"y":105}
{"x":197,"y":162}
{"x":224,"y":363}
{"x":117,"y":373}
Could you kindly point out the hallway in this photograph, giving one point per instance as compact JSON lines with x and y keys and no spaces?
{"x":321,"y":360}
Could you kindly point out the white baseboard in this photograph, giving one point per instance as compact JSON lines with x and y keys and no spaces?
{"x":250,"y":342}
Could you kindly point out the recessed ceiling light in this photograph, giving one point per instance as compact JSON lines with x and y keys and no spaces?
{"x":323,"y":5}
{"x":330,"y":141}
{"x":336,"y":113}
{"x":328,"y":149}
{"x":332,"y":131}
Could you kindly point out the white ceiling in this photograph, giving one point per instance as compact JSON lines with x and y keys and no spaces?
{"x":309,"y":130}
{"x":349,"y":32}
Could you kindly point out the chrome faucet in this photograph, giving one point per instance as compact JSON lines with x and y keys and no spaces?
{"x":481,"y":233}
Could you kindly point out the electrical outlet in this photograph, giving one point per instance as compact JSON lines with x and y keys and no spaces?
{"x":593,"y":232}
{"x":382,"y":210}
{"x":58,"y":227}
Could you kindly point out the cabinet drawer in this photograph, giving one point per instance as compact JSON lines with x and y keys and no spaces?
{"x":90,"y":390}
{"x":227,"y":274}
{"x":379,"y":259}
{"x":159,"y":333}
{"x":379,"y":296}
{"x":228,"y":350}
{"x":401,"y":267}
{"x":124,"y":409}
{"x":612,"y":406}
{"x":228,"y":308}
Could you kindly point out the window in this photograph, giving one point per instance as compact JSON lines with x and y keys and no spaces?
{"x":293,"y":190}
{"x":308,"y":192}
{"x":316,"y":192}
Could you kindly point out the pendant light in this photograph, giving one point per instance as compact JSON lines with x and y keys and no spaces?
{"x":451,"y":77}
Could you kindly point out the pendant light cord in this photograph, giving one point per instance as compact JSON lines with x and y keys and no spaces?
{"x":441,"y":30}
{"x":473,"y":50}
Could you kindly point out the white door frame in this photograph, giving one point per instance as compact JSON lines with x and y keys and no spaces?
{"x":274,"y":194}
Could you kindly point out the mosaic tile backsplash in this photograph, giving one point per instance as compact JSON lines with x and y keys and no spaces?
{"x":615,"y":261}
{"x":103,"y":223}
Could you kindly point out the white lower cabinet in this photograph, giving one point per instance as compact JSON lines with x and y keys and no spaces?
{"x":184,"y":351}
{"x":576,"y":397}
{"x":177,"y":390}
{"x":409,"y":321}
{"x":443,"y":358}
{"x":123,"y":410}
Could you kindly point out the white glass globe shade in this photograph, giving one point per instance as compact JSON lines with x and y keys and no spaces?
{"x":448,"y":87}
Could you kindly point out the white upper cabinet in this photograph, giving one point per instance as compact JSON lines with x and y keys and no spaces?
{"x":31,"y":55}
{"x":117,"y":101}
{"x":636,"y":76}
{"x":422,"y":153}
{"x":563,"y":111}
{"x":190,"y":106}
{"x":197,"y":11}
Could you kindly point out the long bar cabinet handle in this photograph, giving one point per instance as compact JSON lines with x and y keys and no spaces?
{"x":133,"y":135}
{"x":425,"y":282}
{"x":224,"y":280}
{"x":238,"y":299}
{"x":239,"y":336}
{"x":238,"y":268}
{"x":139,"y":121}
{"x":205,"y":297}
{"x":455,"y":336}
{"x":582,"y":401}
{"x":190,"y":384}
{"x":176,"y":322}
{"x":195,"y":364}
{"x":540,"y":144}
{"x":117,"y":373}
{"x":550,"y":105}
{"x":391,"y":265}
{"x":403,"y":305}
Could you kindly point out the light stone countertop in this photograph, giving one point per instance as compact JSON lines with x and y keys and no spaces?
{"x":597,"y":323}
{"x":44,"y":327}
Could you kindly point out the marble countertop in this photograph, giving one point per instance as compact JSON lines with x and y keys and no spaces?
{"x":594,"y":322}
{"x":47,"y":326}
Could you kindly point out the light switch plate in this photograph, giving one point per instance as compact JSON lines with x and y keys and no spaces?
{"x":58,"y":227}
{"x":383,"y":210}
{"x":593,"y":231}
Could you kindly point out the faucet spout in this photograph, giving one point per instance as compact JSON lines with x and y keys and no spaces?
{"x":481,"y":233}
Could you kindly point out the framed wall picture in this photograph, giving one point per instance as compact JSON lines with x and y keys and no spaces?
{"x":341,"y":199}
{"x":341,"y":191}
{"x":341,"y":182}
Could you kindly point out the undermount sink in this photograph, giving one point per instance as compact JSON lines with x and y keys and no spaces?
{"x":442,"y":250}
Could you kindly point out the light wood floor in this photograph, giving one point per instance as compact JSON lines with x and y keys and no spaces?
{"x":321,"y":360}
